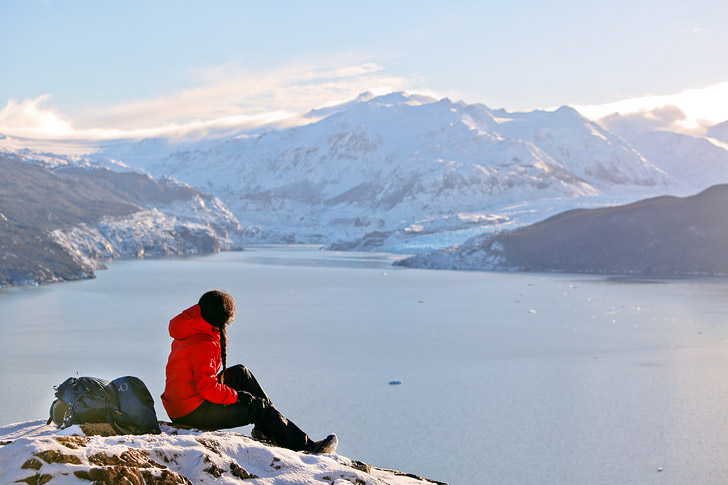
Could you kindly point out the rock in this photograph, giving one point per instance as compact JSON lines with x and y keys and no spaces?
{"x":131,"y":476}
{"x":110,"y":475}
{"x":32,"y":464}
{"x":98,"y":429}
{"x":130,"y":458}
{"x":35,"y":453}
{"x":55,"y":456}
{"x":73,"y":442}
{"x":361,"y":466}
{"x":36,"y":479}
{"x":240,"y":472}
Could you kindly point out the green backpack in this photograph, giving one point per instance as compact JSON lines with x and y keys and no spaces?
{"x":125,"y":403}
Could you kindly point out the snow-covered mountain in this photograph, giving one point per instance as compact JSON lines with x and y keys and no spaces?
{"x":57,"y":225}
{"x":393,"y":171}
{"x":693,"y":163}
{"x":662,"y":235}
{"x":585,"y":148}
{"x":410,"y":173}
{"x":719,"y":132}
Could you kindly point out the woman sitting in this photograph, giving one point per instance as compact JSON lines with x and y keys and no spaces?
{"x":201,"y":392}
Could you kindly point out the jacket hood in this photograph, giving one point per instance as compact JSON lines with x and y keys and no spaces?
{"x":189,"y":323}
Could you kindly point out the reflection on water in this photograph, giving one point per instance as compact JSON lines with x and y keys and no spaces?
{"x":506,"y":378}
{"x":306,"y":256}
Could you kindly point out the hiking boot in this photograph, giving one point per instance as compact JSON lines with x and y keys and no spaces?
{"x":257,"y":434}
{"x":327,"y":445}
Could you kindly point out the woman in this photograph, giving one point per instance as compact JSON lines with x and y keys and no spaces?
{"x":199,"y":394}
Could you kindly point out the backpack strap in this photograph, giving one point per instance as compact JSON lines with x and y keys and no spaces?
{"x":70,"y":408}
{"x":50,"y":418}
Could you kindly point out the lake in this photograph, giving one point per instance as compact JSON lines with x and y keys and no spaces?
{"x":505,"y":378}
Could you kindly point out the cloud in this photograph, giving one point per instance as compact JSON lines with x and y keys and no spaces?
{"x":636,"y":123}
{"x":27,"y":119}
{"x":226,"y":96}
{"x":699,"y":109}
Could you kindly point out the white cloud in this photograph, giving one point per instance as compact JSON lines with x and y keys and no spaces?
{"x":226,"y":96}
{"x":642,"y":121}
{"x":26,"y":118}
{"x":701,"y":107}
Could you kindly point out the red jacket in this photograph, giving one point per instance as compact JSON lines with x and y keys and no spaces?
{"x":193,"y":365}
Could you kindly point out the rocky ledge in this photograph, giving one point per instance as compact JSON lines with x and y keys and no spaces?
{"x":35,"y":453}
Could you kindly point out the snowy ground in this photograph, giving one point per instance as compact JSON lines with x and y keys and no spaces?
{"x":34,"y":452}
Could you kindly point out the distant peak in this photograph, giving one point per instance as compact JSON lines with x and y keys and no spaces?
{"x":400,"y":97}
{"x":567,"y":114}
{"x":364,"y":97}
{"x":568,"y":111}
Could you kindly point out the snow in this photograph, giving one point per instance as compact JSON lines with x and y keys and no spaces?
{"x":153,"y":231}
{"x":693,"y":163}
{"x":203,"y":457}
{"x":365,"y":172}
{"x":383,"y":164}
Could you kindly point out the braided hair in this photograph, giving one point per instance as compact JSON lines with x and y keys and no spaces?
{"x":218,"y":309}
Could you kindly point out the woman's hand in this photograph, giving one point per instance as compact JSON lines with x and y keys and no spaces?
{"x":245,"y":398}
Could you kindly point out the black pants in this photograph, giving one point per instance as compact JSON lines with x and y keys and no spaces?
{"x":255,"y":408}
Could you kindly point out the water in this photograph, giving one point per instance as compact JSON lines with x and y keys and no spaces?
{"x":506,"y":378}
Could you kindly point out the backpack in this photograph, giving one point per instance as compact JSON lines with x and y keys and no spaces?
{"x":135,"y":414}
{"x":125,"y":403}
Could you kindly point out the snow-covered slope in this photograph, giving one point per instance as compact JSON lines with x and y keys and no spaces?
{"x":719,"y":132}
{"x":183,"y":227}
{"x":585,"y":148}
{"x":692,"y":162}
{"x":387,"y":170}
{"x":59,"y":224}
{"x":33,"y":452}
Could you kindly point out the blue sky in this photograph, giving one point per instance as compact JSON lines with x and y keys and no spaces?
{"x":86,"y":65}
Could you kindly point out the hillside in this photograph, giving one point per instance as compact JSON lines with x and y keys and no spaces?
{"x":693,"y":163}
{"x":659,"y":236}
{"x":33,"y":452}
{"x":55,"y":224}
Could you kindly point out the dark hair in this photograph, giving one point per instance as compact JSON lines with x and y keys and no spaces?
{"x":218,"y":309}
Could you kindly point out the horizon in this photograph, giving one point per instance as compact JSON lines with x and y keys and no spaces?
{"x":106,"y":71}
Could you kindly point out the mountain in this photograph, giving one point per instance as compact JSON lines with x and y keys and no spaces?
{"x":690,"y":161}
{"x":584,"y":147}
{"x":660,"y":236}
{"x":693,"y":163}
{"x":719,"y":132}
{"x":397,"y":171}
{"x":410,"y":173}
{"x":56,"y":225}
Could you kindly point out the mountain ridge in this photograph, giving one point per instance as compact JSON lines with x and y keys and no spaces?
{"x":58,"y":225}
{"x":410,"y":173}
{"x":390,"y":162}
{"x":665,"y":235}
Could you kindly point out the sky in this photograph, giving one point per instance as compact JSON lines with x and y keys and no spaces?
{"x":97,"y":68}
